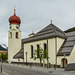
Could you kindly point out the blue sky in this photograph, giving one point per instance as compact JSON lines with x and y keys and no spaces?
{"x":35,"y":15}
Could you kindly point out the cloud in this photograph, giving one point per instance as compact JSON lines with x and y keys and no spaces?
{"x":36,"y":14}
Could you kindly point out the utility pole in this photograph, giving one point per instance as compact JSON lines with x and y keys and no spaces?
{"x":26,"y":58}
{"x":1,"y":68}
{"x":47,"y":55}
{"x":56,"y":51}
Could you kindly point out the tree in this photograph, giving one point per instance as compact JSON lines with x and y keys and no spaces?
{"x":40,"y":54}
{"x":3,"y":56}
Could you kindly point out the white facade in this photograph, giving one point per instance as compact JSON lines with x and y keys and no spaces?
{"x":51,"y":49}
{"x":14,"y":41}
{"x":54,"y":44}
{"x":53,"y":34}
{"x":72,"y":55}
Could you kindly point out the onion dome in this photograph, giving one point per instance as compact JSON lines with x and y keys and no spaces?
{"x":14,"y":19}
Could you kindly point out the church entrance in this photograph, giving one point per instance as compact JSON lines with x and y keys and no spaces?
{"x":63,"y":62}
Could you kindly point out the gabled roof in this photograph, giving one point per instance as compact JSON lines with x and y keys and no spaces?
{"x":68,"y":44}
{"x":20,"y":54}
{"x":48,"y":32}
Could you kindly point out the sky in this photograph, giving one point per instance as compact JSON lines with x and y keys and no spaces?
{"x":35,"y":15}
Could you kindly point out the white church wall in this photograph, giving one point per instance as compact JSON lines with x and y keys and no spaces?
{"x":59,"y":59}
{"x":27,"y":48}
{"x":59,"y":42}
{"x":14,"y":44}
{"x":51,"y":49}
{"x":72,"y":55}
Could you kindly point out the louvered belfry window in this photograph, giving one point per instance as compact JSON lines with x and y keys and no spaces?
{"x":16,"y":34}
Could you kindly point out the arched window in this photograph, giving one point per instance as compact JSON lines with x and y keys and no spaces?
{"x":31,"y":51}
{"x":16,"y":34}
{"x":10,"y":34}
{"x":38,"y":50}
{"x":45,"y":46}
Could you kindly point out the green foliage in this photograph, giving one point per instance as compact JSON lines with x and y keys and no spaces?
{"x":3,"y":56}
{"x":45,"y":54}
{"x":42,"y":53}
{"x":70,"y":30}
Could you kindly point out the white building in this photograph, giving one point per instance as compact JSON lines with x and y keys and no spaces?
{"x":61,"y":46}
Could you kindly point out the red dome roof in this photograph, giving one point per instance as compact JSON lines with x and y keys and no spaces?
{"x":14,"y":19}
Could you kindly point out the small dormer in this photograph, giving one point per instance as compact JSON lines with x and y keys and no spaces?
{"x":32,"y":34}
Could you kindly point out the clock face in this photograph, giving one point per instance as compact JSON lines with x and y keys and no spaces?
{"x":17,"y":27}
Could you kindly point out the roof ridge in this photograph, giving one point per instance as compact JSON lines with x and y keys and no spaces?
{"x":58,"y":29}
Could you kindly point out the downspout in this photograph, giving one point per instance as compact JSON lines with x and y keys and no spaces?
{"x":47,"y":55}
{"x":56,"y":50}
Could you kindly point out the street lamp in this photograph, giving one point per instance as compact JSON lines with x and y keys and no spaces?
{"x":26,"y":57}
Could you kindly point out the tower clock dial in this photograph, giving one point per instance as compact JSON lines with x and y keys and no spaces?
{"x":17,"y":27}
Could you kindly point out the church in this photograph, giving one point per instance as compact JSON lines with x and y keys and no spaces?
{"x":61,"y":45}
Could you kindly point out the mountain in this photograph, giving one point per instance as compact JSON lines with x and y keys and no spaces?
{"x":3,"y":47}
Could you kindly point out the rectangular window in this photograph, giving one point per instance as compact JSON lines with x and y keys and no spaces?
{"x":31,"y":51}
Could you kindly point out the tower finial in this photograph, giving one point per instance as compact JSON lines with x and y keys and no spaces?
{"x":51,"y":20}
{"x":14,"y":9}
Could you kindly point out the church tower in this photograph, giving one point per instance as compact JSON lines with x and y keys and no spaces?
{"x":14,"y":37}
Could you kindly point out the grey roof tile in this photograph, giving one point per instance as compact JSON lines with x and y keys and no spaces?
{"x":66,"y":49}
{"x":48,"y":32}
{"x":20,"y":54}
{"x":68,"y":45}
